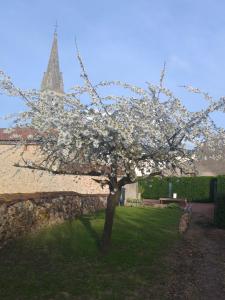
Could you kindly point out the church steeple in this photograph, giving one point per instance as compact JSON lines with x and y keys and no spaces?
{"x":52,"y":79}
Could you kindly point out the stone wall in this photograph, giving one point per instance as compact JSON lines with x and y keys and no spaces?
{"x":30,"y":212}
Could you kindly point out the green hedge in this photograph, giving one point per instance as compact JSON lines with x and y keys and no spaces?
{"x":193,"y":188}
{"x":219,"y":217}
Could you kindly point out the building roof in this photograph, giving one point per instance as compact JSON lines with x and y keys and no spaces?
{"x":211,"y":167}
{"x":14,"y":135}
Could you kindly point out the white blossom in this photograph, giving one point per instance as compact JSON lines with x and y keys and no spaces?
{"x":148,"y":131}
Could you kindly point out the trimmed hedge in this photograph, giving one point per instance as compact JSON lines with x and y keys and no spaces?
{"x":193,"y":188}
{"x":219,"y":216}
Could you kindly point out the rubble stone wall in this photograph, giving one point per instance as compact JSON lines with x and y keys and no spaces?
{"x":26,"y":213}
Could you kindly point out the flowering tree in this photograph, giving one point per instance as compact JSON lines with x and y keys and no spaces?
{"x":114,"y":136}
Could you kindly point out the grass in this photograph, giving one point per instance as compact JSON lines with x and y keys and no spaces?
{"x":63,"y":262}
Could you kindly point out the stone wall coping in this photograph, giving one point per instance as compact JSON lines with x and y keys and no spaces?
{"x":10,"y":199}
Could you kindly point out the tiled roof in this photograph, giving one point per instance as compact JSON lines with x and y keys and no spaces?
{"x":10,"y":135}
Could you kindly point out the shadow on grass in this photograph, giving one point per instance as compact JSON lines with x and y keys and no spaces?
{"x":64,"y":258}
{"x":85,"y":220}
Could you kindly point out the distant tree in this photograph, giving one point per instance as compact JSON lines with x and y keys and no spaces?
{"x":112,"y":137}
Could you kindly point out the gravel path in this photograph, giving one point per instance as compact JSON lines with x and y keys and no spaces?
{"x":197,"y":264}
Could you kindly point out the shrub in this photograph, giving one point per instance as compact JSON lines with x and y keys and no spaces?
{"x":193,"y":188}
{"x":219,"y":216}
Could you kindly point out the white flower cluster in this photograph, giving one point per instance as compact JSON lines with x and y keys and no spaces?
{"x":149,"y":131}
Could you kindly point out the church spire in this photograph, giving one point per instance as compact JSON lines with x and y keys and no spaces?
{"x":52,"y":79}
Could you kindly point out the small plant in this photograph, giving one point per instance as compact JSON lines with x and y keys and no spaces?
{"x":134,"y":202}
{"x":173,"y":205}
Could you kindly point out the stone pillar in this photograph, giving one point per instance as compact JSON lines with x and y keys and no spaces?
{"x":131,"y":191}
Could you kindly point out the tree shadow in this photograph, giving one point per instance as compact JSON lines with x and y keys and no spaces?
{"x":85,"y":220}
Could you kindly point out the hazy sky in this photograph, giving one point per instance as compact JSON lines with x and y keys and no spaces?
{"x":119,"y":39}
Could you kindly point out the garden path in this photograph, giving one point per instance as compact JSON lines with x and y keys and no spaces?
{"x":194,"y":269}
{"x":198,"y":262}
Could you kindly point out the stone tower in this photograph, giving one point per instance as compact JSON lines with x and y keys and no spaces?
{"x":52,"y":79}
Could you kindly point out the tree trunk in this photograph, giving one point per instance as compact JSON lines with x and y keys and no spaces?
{"x":112,"y":202}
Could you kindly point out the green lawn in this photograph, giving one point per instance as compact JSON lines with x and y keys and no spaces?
{"x":64,"y":263}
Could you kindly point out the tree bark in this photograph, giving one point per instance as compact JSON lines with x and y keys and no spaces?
{"x":112,"y":202}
